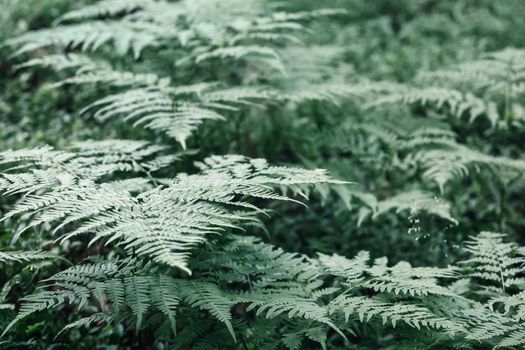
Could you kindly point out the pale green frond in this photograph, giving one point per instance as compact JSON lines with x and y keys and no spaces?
{"x":88,"y":321}
{"x":25,"y":256}
{"x":494,"y":260}
{"x":105,"y":8}
{"x":412,"y":315}
{"x":207,"y":296}
{"x":350,"y":269}
{"x":126,"y":36}
{"x":414,"y":202}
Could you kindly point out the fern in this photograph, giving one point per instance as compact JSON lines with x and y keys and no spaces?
{"x":26,"y":256}
{"x":412,"y":315}
{"x":452,"y":160}
{"x":512,"y":305}
{"x":123,"y":241}
{"x":126,"y":36}
{"x":495,"y":261}
{"x":415,"y":201}
{"x":194,"y":205}
{"x":88,"y":321}
{"x":498,"y":73}
{"x":156,"y":105}
{"x":108,"y":8}
{"x":141,"y":291}
{"x":206,"y":296}
{"x":493,"y":72}
{"x":457,"y":103}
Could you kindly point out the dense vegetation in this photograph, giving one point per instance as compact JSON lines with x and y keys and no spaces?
{"x":163,"y":182}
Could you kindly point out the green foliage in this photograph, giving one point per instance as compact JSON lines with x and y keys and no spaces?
{"x":156,"y":157}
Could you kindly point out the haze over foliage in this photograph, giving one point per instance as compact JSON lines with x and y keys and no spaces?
{"x":262,"y":174}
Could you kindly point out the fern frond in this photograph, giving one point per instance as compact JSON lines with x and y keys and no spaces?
{"x":137,"y":294}
{"x":493,"y":260}
{"x":293,"y":340}
{"x":105,"y":8}
{"x":351,"y":269}
{"x":451,"y":160}
{"x":484,"y":325}
{"x":150,"y":101}
{"x":208,"y":297}
{"x":457,"y":103}
{"x":513,"y":339}
{"x":192,"y":205}
{"x":165,"y":295}
{"x":512,"y":305}
{"x":415,"y":201}
{"x":25,"y":256}
{"x":493,"y":72}
{"x":412,"y":315}
{"x":41,"y":301}
{"x":155,"y":110}
{"x":126,"y":36}
{"x":60,"y":62}
{"x":275,"y":304}
{"x":87,"y":159}
{"x":88,"y":321}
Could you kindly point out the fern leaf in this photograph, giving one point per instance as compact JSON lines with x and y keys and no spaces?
{"x":105,"y":8}
{"x":207,"y":296}
{"x":166,"y":299}
{"x":137,"y":293}
{"x":25,"y":256}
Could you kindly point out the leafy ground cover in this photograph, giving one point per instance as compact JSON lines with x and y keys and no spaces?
{"x":260,"y":174}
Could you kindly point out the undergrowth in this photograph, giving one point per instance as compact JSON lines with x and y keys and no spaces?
{"x":255,"y":174}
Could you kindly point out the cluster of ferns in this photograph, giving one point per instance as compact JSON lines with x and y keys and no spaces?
{"x":255,"y":174}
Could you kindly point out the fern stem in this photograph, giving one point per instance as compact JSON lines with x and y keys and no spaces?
{"x":243,"y":342}
{"x":508,"y":95}
{"x":502,"y":278}
{"x":146,"y":172}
